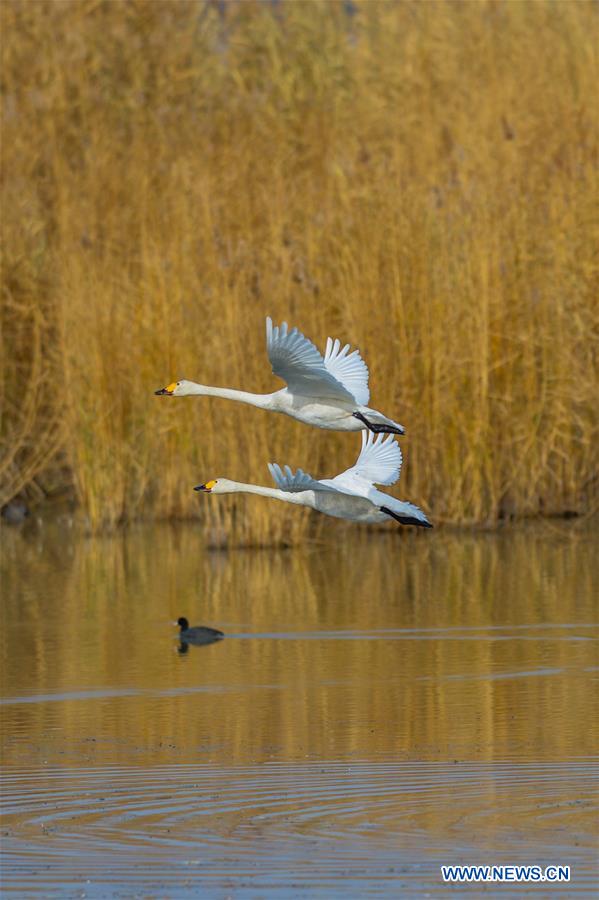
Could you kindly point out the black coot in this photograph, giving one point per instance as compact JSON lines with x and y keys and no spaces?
{"x":199,"y":634}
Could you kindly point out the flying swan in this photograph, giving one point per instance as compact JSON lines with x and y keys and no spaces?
{"x":328,"y":392}
{"x":351,"y":495}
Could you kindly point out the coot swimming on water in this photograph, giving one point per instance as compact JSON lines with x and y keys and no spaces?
{"x":198,"y":634}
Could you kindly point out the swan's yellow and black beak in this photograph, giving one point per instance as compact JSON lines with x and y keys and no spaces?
{"x":206,"y":488}
{"x":168,"y":391}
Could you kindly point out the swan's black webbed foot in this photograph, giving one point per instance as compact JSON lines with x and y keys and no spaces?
{"x":377,"y":429}
{"x":405,"y":520}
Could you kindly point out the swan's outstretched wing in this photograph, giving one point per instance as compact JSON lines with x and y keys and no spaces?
{"x":348,"y":368}
{"x":293,"y":482}
{"x":379,"y":462}
{"x":297,"y":361}
{"x":380,"y":459}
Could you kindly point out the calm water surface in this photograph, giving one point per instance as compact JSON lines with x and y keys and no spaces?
{"x":380,"y":705}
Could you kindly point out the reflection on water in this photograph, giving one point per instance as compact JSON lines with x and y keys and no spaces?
{"x":376,"y":707}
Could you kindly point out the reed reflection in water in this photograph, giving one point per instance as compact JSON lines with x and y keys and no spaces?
{"x":374,"y":706}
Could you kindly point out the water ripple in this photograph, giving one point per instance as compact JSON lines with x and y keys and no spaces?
{"x":294,"y":827}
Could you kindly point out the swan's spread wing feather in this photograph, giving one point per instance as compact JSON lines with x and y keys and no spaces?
{"x":348,"y":368}
{"x":293,"y":482}
{"x":379,"y":462}
{"x":297,"y":361}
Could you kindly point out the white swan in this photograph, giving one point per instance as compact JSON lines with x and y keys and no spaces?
{"x":328,"y":392}
{"x":351,"y":495}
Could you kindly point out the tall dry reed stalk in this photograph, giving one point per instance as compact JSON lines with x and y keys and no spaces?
{"x":416,"y":178}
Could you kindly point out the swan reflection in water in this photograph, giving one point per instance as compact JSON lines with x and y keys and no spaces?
{"x":198,"y":635}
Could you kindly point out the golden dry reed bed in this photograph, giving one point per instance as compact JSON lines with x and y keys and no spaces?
{"x":416,"y":178}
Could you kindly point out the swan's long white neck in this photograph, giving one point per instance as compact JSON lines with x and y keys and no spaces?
{"x":205,"y":390}
{"x":237,"y":487}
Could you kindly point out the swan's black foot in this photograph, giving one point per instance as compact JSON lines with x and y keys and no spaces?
{"x":378,"y":429}
{"x":405,"y":520}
